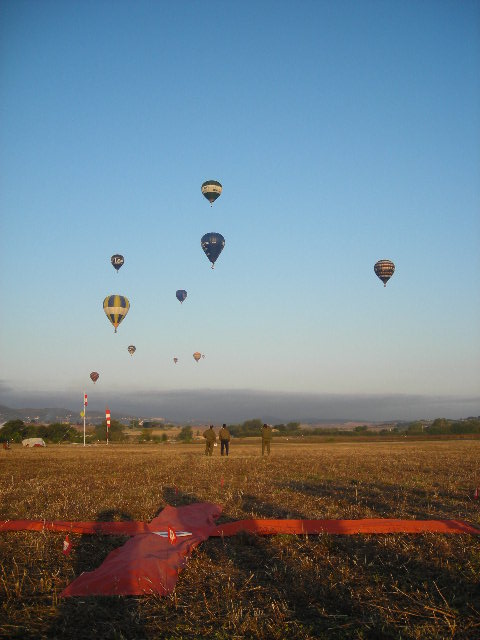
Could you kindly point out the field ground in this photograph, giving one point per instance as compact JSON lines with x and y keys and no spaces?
{"x":281,"y":587}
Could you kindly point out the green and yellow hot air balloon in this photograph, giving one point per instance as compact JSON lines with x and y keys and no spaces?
{"x":212,"y":190}
{"x":116,"y":307}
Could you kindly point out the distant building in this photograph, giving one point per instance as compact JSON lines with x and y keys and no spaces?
{"x":152,"y":423}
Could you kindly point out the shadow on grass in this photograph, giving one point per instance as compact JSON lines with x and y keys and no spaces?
{"x":341,"y":586}
{"x":276,"y":575}
{"x":385,"y":500}
{"x":177,"y":498}
{"x":261,"y":509}
{"x":105,"y":617}
{"x":271,"y":588}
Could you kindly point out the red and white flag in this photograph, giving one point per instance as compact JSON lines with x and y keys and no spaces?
{"x":107,"y":417}
{"x":85,"y":401}
{"x":67,"y":546}
{"x":172,"y":536}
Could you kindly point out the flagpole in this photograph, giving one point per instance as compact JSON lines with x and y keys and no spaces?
{"x":84,"y":414}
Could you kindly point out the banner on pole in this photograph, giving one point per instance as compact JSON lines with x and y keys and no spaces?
{"x":107,"y":417}
{"x":85,"y":402}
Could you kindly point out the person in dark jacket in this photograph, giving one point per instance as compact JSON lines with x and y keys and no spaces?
{"x":266,"y":438}
{"x":211,"y":438}
{"x":224,"y":436}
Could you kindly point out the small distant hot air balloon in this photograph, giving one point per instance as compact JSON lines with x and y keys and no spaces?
{"x":197,"y":355}
{"x":94,"y":376}
{"x":181,"y":295}
{"x":131,"y":349}
{"x":212,"y":244}
{"x":116,"y":308}
{"x":211,"y":189}
{"x":384,"y":270}
{"x":175,"y":360}
{"x":117,"y":260}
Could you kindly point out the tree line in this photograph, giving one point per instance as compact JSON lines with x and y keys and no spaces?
{"x":251,"y":428}
{"x":57,"y":433}
{"x":443,"y":426}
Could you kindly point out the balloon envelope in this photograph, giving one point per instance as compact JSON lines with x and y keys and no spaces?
{"x":117,"y":260}
{"x":212,"y":244}
{"x":175,"y":360}
{"x":94,"y":376}
{"x":211,"y":189}
{"x":116,"y":308}
{"x":181,"y":295}
{"x":197,"y":355}
{"x":384,"y":270}
{"x":132,"y":349}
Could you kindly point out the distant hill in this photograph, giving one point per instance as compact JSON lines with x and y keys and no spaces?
{"x":50,"y":415}
{"x":45,"y":415}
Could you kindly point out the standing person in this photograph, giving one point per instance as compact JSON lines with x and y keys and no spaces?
{"x":266,"y":438}
{"x":224,"y":435}
{"x":211,"y":438}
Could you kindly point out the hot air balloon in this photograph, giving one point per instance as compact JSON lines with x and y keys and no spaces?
{"x":131,"y":349}
{"x":181,"y":295}
{"x":197,"y":356}
{"x":211,"y":189}
{"x":384,"y":270}
{"x":212,"y":244}
{"x":175,"y":360}
{"x":117,"y":260}
{"x":94,"y":376}
{"x":116,"y":307}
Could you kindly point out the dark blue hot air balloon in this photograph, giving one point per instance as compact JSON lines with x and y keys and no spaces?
{"x":212,"y":244}
{"x":181,"y":295}
{"x":117,"y":260}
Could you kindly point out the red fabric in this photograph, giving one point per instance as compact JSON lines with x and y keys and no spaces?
{"x":149,"y":563}
{"x":345,"y":527}
{"x":106,"y":528}
{"x":260,"y":527}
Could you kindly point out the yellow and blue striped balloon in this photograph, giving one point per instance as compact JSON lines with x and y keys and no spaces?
{"x":116,"y":307}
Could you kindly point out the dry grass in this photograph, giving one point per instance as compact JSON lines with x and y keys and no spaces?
{"x":390,"y":586}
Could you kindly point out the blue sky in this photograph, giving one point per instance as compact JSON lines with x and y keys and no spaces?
{"x":342,"y":133}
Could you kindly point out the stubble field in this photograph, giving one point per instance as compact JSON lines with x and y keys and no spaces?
{"x":281,"y":587}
